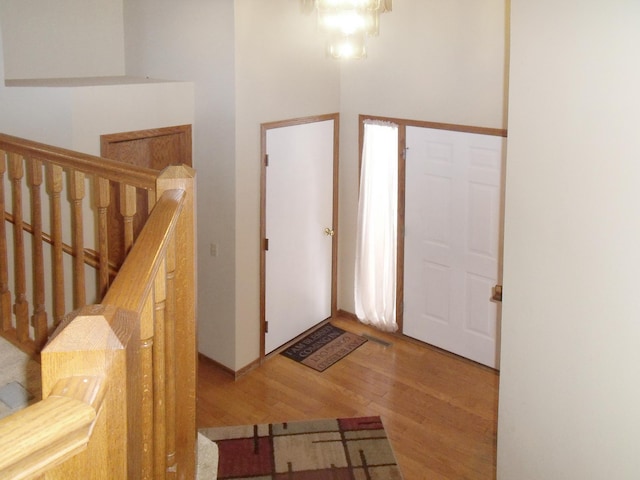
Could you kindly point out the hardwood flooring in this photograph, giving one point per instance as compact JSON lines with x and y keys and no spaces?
{"x":439,"y":410}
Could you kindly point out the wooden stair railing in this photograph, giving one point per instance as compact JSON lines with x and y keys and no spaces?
{"x":57,"y":203}
{"x":139,"y":344}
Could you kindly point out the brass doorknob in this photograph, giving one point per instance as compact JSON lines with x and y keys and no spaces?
{"x":329,"y":232}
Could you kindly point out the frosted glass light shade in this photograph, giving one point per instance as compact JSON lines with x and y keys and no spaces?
{"x":347,"y":22}
{"x":347,"y":46}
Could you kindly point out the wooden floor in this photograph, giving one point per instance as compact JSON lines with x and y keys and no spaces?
{"x":439,"y":411}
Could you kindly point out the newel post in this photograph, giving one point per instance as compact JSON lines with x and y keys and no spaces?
{"x":101,"y":341}
{"x":183,"y":310}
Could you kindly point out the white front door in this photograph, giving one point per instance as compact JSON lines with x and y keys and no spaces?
{"x":452,"y":240}
{"x":299,"y":208}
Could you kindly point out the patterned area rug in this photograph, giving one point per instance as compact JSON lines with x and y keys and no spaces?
{"x":337,"y":449}
{"x":324,"y":347}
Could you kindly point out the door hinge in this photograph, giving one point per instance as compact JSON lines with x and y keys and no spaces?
{"x":266,"y":327}
{"x":266,"y":160}
{"x":266,"y":244}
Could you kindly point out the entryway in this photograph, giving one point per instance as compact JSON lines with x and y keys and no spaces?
{"x":452,"y":241}
{"x":449,"y":250}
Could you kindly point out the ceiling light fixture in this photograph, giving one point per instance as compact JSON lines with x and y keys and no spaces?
{"x":347,"y":23}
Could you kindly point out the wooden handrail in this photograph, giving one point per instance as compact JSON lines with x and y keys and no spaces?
{"x":131,"y":287}
{"x":44,"y":435}
{"x":139,"y":177}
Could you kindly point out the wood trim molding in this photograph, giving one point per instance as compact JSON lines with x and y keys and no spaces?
{"x":345,"y":314}
{"x":498,"y":132}
{"x":300,"y":121}
{"x":233,"y":373}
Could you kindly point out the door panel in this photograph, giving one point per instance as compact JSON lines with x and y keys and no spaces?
{"x":156,"y":148}
{"x":299,"y":207}
{"x":452,"y":240}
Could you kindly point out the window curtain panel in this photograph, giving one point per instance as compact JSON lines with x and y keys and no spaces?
{"x":376,"y":237}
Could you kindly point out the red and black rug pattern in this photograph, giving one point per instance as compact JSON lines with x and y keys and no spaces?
{"x":337,"y":449}
{"x":323,"y":347}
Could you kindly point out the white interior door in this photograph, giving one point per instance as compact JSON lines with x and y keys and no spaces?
{"x":453,"y":240}
{"x":299,"y":208}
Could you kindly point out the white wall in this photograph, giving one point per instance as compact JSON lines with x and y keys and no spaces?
{"x":569,"y":389}
{"x":434,"y":60}
{"x":193,"y":40}
{"x":41,"y":113}
{"x":62,"y":38}
{"x":281,"y":73}
{"x":104,"y":109}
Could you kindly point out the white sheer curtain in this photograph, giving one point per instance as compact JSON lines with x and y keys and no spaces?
{"x":376,"y":238}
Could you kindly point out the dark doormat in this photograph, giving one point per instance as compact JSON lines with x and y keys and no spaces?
{"x":324,"y":347}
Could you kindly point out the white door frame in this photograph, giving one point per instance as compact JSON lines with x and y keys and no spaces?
{"x":263,"y":187}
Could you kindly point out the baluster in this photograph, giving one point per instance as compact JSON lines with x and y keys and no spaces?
{"x":54,"y":187}
{"x":128,"y":208}
{"x":151,"y":200}
{"x":170,"y":358}
{"x":5,"y":294}
{"x":20,"y":306}
{"x":39,"y":317}
{"x":76,"y":191}
{"x":146,"y":378}
{"x":159,"y":374}
{"x":103,"y":199}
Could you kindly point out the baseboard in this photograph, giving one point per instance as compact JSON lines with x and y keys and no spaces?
{"x":235,"y":374}
{"x":246,"y":369}
{"x":204,"y":359}
{"x":346,"y":314}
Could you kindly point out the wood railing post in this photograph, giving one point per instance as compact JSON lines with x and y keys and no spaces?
{"x":103,"y":200}
{"x":101,"y":341}
{"x":21,"y":305}
{"x":76,"y":192}
{"x":128,"y":208}
{"x":54,"y":187}
{"x":170,"y":360}
{"x":39,"y":317}
{"x":160,"y":374}
{"x":5,"y":294}
{"x":186,"y":354}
